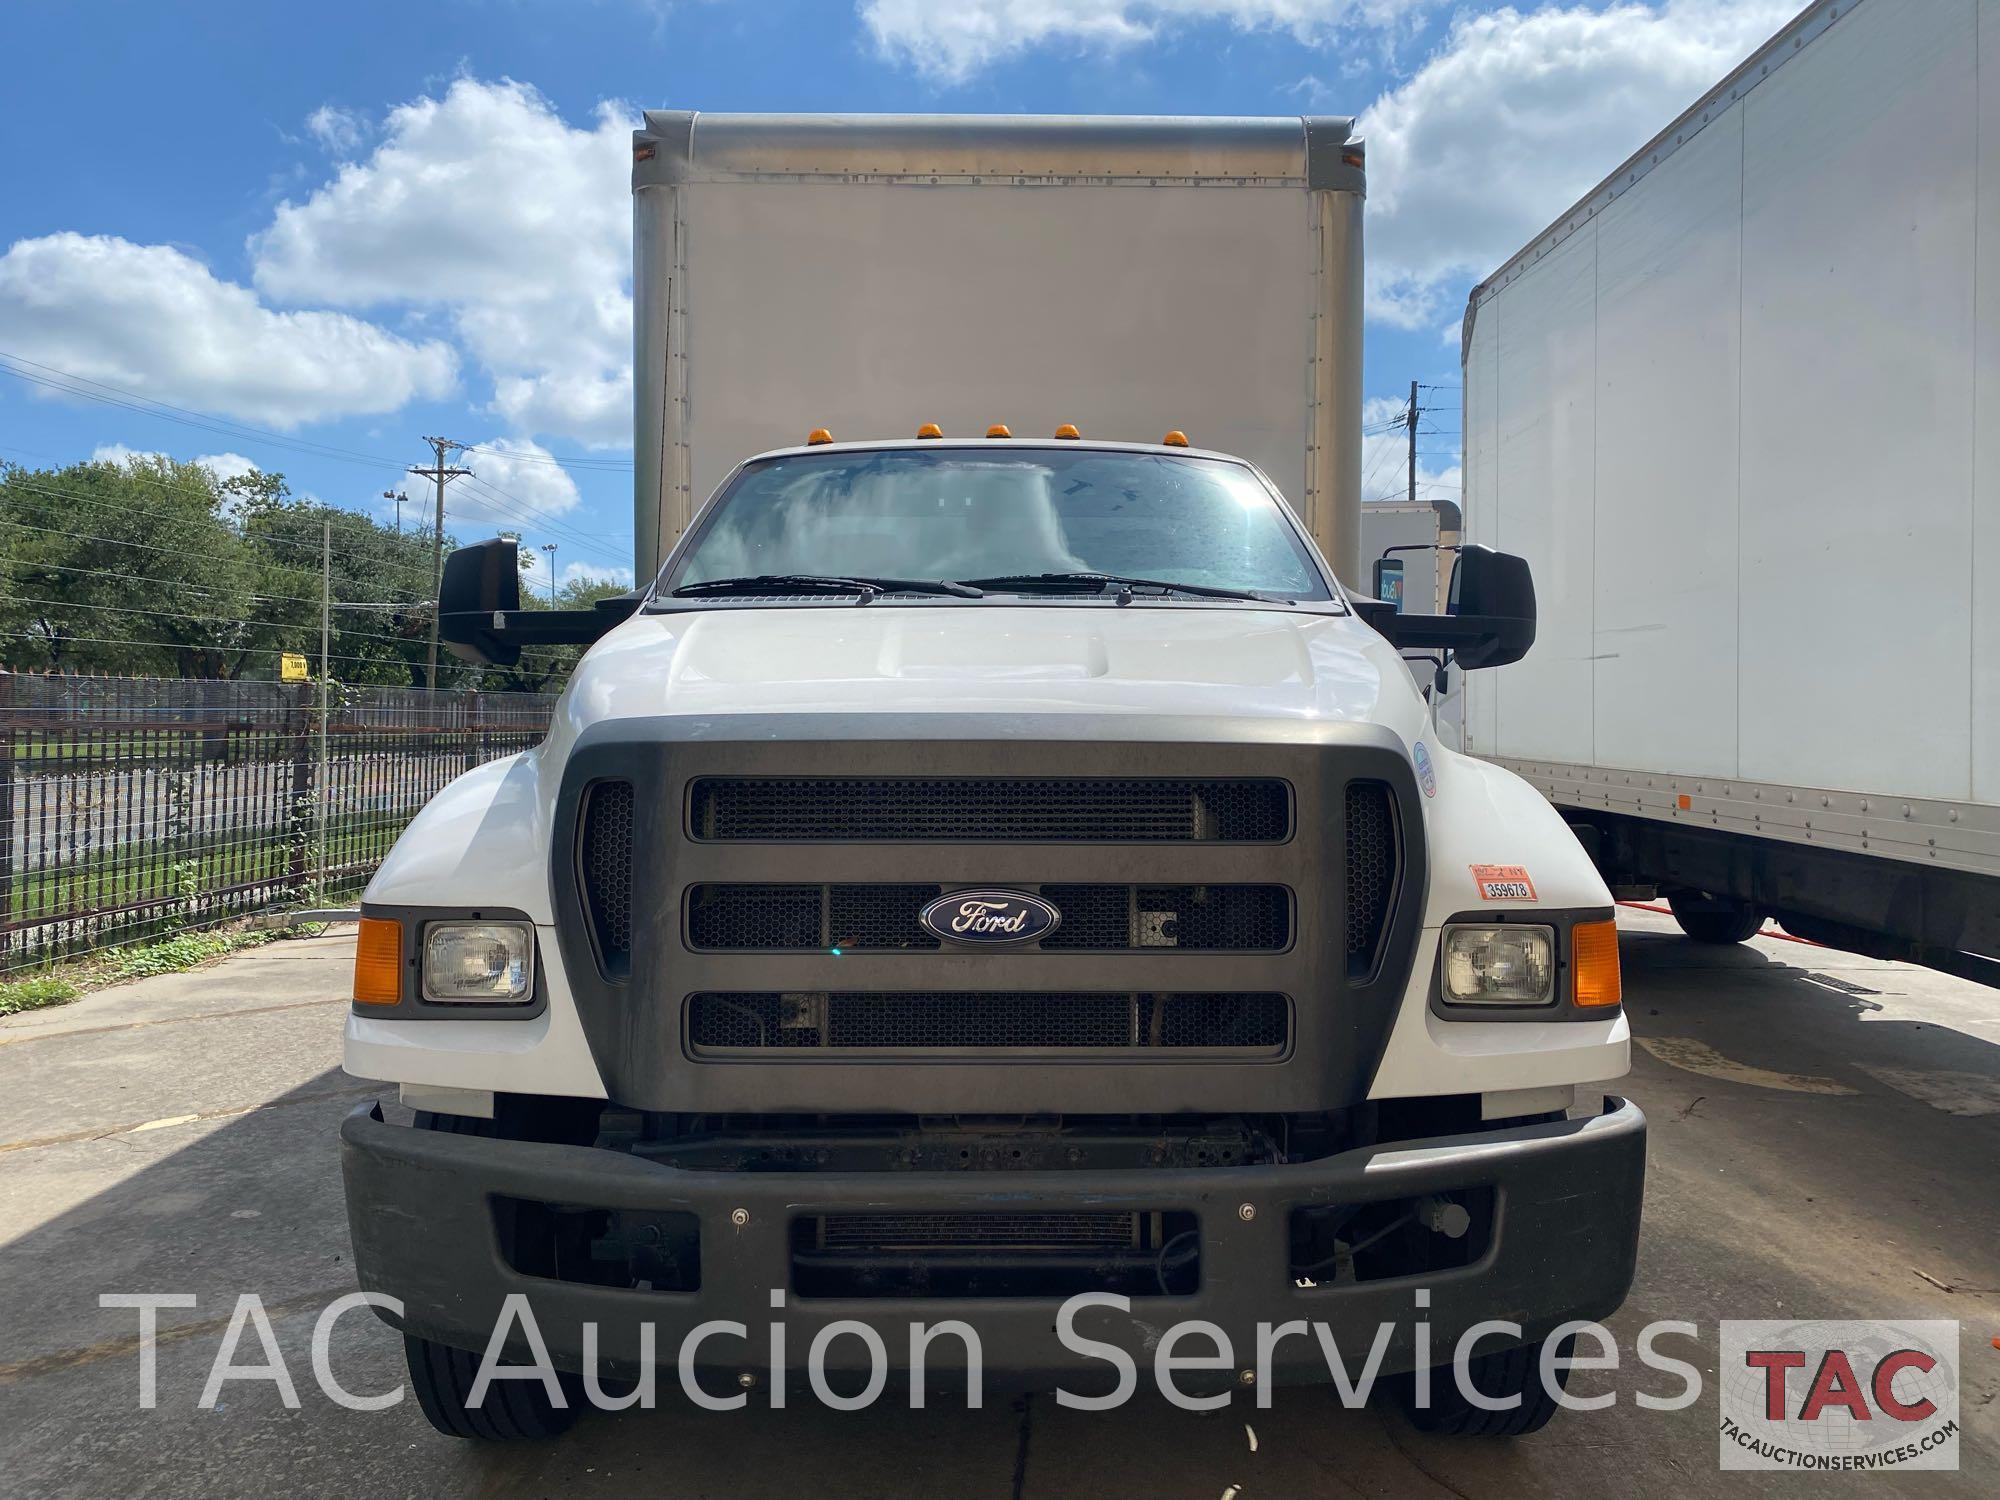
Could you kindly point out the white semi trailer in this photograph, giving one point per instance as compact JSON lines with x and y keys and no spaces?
{"x":1740,"y":408}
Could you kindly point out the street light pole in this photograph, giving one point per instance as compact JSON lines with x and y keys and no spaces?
{"x":550,"y":548}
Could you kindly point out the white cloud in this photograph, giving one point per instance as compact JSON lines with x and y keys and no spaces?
{"x":513,"y":485}
{"x":222,"y":465}
{"x":950,"y":40}
{"x":1514,"y":118}
{"x":150,"y":319}
{"x":487,"y":206}
{"x":582,"y":572}
{"x":340,"y":131}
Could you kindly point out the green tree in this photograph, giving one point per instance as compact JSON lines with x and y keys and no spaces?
{"x":123,"y":567}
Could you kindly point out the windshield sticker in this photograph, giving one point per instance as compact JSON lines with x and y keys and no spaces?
{"x":1426,"y":777}
{"x":1503,"y":883}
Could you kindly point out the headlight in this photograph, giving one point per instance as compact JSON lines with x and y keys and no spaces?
{"x":1499,"y":965}
{"x":492,"y":962}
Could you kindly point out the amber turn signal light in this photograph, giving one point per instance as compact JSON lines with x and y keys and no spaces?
{"x":378,"y":963}
{"x":1594,"y":963}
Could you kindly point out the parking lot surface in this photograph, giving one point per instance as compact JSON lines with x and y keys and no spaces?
{"x":1824,"y":1136}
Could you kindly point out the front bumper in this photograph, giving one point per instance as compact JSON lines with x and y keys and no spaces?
{"x":1563,"y":1246}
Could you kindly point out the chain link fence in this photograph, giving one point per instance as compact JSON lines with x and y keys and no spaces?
{"x":131,"y":807}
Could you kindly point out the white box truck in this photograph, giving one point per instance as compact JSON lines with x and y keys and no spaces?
{"x":1740,"y":408}
{"x":995,"y":879}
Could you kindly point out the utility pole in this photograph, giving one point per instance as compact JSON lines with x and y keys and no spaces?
{"x":441,"y":475}
{"x":550,"y":548}
{"x":1410,"y":420}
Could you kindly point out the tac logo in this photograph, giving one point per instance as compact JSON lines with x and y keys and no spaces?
{"x":1839,"y":1395}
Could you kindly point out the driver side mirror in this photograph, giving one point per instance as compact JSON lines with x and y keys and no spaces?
{"x":1492,"y":612}
{"x":480,"y":581}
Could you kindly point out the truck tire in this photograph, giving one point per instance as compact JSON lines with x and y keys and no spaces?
{"x":442,"y":1377}
{"x":512,"y":1410}
{"x":1503,"y":1373}
{"x":1715,"y":919}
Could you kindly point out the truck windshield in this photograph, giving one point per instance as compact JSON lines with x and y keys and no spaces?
{"x":960,"y":513}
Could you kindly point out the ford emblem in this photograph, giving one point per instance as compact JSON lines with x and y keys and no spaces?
{"x":990,"y":917}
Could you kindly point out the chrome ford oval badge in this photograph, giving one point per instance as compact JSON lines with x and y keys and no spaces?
{"x":990,"y":917}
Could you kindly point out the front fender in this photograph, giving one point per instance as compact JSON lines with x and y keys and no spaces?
{"x":1483,"y":814}
{"x":482,"y":841}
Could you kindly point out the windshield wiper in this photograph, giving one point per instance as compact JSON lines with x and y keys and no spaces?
{"x":1099,"y":582}
{"x":824,"y":583}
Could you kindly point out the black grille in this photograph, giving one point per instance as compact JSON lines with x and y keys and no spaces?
{"x":607,"y":871}
{"x":1371,"y":870}
{"x":1194,"y":918}
{"x":864,"y":918}
{"x":894,"y":1021}
{"x":858,"y":917}
{"x":1104,"y":810}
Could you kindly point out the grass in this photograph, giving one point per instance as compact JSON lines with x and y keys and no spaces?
{"x":154,"y":871}
{"x":35,"y":992}
{"x":186,"y":950}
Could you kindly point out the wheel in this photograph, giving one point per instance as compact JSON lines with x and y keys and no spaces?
{"x":1715,"y":919}
{"x":1502,"y":1373}
{"x":511,"y":1410}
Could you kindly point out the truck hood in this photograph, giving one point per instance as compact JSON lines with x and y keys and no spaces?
{"x":1140,"y":659}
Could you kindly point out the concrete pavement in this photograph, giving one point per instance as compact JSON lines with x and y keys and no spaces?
{"x":1824,"y":1135}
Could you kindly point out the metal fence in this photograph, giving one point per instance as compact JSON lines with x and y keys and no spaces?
{"x":133,"y":806}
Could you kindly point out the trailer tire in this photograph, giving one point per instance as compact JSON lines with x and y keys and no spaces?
{"x":1505,"y":1372}
{"x":1715,"y":919}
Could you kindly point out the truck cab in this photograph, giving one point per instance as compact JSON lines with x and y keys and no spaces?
{"x":993,"y":879}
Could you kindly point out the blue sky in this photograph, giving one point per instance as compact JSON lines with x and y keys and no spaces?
{"x":331,"y":229}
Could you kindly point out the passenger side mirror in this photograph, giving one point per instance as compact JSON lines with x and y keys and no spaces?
{"x":1496,"y":588}
{"x":480,"y":581}
{"x":1492,"y":612}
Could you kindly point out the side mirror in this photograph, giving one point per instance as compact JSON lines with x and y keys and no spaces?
{"x":1492,"y":618}
{"x":1496,"y":588}
{"x":480,"y":581}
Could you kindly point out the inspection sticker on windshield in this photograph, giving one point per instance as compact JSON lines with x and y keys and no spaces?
{"x":1503,"y":883}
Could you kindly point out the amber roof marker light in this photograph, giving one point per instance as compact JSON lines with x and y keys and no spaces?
{"x":817,"y":436}
{"x":1174,"y":439}
{"x":930,"y":430}
{"x":998,"y":429}
{"x":1068,"y":433}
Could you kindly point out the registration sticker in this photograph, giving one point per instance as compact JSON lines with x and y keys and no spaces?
{"x":1503,"y":883}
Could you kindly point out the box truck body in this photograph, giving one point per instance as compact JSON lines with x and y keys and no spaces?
{"x":868,"y":274}
{"x":1740,"y":408}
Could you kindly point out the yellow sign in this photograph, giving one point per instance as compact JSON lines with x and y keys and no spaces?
{"x":292,"y":667}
